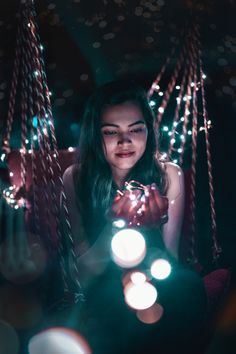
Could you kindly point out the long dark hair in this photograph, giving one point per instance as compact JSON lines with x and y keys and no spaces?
{"x":94,"y":185}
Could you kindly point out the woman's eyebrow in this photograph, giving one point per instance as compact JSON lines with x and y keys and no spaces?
{"x":117,"y":126}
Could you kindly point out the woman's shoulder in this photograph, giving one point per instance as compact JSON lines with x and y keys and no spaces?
{"x":70,"y":172}
{"x":175,"y":176}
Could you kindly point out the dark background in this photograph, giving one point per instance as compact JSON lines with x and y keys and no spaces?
{"x":90,"y":42}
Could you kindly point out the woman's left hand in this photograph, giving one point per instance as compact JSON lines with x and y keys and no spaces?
{"x":154,"y":211}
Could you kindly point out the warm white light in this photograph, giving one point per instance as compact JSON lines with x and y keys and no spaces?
{"x":160,"y":93}
{"x":70,"y":149}
{"x":26,"y":141}
{"x":180,"y":150}
{"x":178,"y":99}
{"x":172,"y":141}
{"x":192,"y":84}
{"x":11,"y":174}
{"x":160,"y":109}
{"x":140,"y":296}
{"x":128,"y":248}
{"x":155,"y":87}
{"x":138,"y":278}
{"x":58,"y":341}
{"x":204,"y":76}
{"x":119,"y":223}
{"x":160,"y":269}
{"x":177,"y":87}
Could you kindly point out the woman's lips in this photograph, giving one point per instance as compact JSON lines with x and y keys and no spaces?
{"x":125,"y":154}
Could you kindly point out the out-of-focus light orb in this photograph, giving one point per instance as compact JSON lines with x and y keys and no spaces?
{"x":151,"y":315}
{"x":58,"y":341}
{"x":9,"y":341}
{"x":128,"y":248}
{"x":138,"y":278}
{"x":160,"y":269}
{"x":140,"y":296}
{"x":120,"y":223}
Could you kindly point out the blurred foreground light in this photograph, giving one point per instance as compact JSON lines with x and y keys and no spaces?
{"x":58,"y":341}
{"x":160,"y":269}
{"x":140,"y":296}
{"x":138,"y":278}
{"x":9,"y":341}
{"x":151,"y":315}
{"x":128,"y":248}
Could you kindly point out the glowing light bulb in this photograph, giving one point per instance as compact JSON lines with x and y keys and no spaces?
{"x":160,"y":269}
{"x":70,"y":149}
{"x":155,"y":87}
{"x":160,"y":93}
{"x":180,"y":150}
{"x":204,"y":76}
{"x":60,"y":341}
{"x":182,"y":119}
{"x":175,"y":124}
{"x":192,"y":84}
{"x":182,"y":137}
{"x":172,"y":141}
{"x":128,"y":248}
{"x":120,"y":223}
{"x":165,"y":128}
{"x":175,"y":161}
{"x":152,"y":103}
{"x":170,"y":133}
{"x":161,"y":110}
{"x":35,"y":137}
{"x":177,"y":87}
{"x":3,"y":157}
{"x":140,"y":296}
{"x":36,"y":73}
{"x":138,"y":278}
{"x":178,"y":99}
{"x":189,"y":132}
{"x":11,"y":174}
{"x":27,"y":141}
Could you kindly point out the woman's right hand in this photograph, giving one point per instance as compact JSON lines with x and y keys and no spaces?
{"x":126,"y":206}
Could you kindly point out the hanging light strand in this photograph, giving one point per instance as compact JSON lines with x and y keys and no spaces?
{"x":192,"y":237}
{"x":216,"y":248}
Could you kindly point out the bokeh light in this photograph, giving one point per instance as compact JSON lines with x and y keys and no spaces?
{"x":160,"y":269}
{"x":58,"y":341}
{"x":140,"y":296}
{"x":151,"y":315}
{"x":128,"y":248}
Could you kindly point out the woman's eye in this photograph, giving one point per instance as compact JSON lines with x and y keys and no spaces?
{"x":109,"y":132}
{"x":137,"y":130}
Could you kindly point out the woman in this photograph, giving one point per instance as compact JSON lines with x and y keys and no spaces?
{"x":118,"y":144}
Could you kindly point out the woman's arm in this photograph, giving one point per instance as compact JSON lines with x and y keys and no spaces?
{"x":175,"y":193}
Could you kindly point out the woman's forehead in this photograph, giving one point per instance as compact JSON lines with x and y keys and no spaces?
{"x":125,"y":113}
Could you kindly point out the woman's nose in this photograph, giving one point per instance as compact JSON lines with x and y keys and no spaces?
{"x":124,"y":138}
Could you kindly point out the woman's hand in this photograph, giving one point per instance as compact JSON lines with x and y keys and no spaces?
{"x":149,"y":209}
{"x":22,"y":257}
{"x":154,"y":211}
{"x":126,"y":206}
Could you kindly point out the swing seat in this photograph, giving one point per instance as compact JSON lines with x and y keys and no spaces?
{"x":216,"y":282}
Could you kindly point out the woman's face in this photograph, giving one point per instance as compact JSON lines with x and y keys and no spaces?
{"x":124,"y":135}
